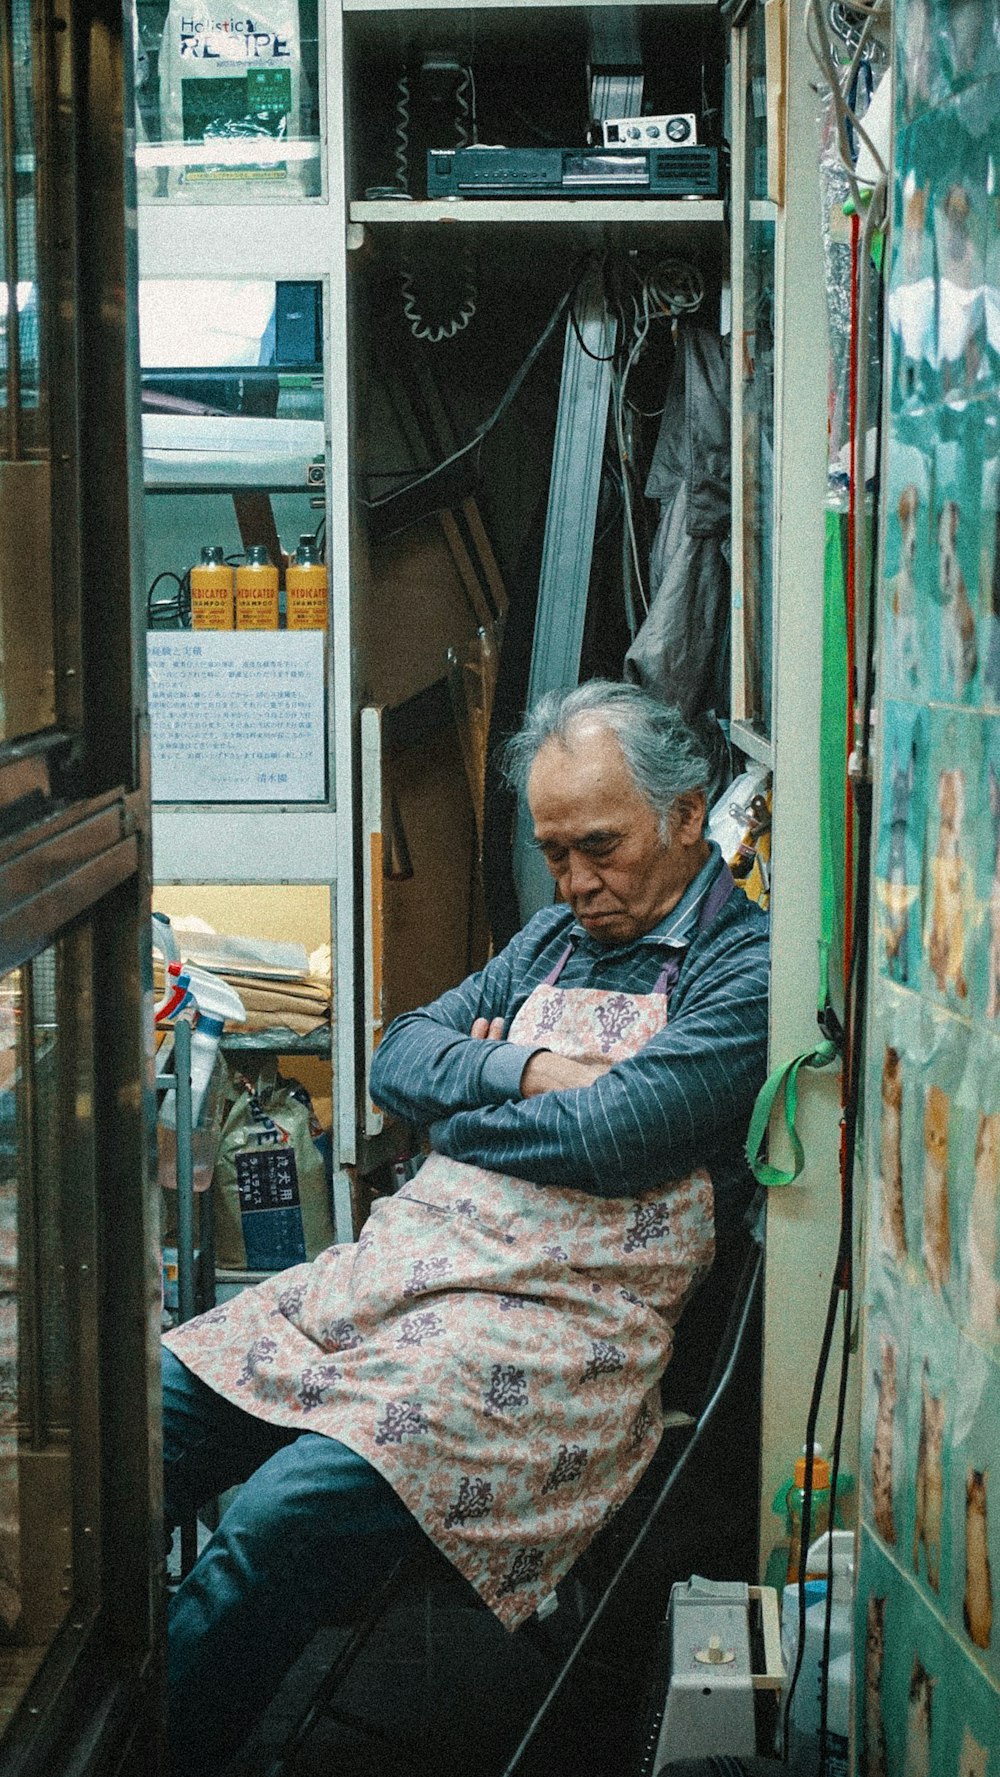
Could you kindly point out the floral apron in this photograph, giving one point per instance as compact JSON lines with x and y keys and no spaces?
{"x":494,"y":1348}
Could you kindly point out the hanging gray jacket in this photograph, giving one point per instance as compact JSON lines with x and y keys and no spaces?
{"x":682,"y":649}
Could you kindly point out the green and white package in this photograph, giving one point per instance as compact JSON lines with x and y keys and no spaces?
{"x":230,"y":80}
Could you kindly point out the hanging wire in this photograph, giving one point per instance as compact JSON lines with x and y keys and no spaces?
{"x":672,"y":288}
{"x":486,"y":426}
{"x":465,"y":129}
{"x":840,"y":81}
{"x":860,"y":594}
{"x":402,"y":152}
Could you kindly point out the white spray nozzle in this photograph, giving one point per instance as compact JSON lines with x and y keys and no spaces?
{"x":214,"y":997}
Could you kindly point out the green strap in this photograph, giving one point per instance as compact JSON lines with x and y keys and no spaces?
{"x":783,"y":1082}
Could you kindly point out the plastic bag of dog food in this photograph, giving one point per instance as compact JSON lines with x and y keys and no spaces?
{"x":230,"y":82}
{"x":270,"y":1187}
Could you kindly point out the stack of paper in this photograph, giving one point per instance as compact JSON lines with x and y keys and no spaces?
{"x":281,"y":986}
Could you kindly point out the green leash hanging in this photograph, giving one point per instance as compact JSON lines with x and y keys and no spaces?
{"x":781,"y":1088}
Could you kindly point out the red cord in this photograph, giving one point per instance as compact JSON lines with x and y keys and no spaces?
{"x":858,"y":452}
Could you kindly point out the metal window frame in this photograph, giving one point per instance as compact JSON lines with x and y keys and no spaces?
{"x":74,"y":869}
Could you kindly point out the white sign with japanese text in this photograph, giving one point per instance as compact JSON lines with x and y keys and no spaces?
{"x":237,"y":715}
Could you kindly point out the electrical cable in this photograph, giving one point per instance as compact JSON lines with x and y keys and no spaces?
{"x":164,"y":610}
{"x":859,"y":983}
{"x":482,"y":431}
{"x":597,"y":357}
{"x":848,"y":122}
{"x":673,"y":288}
{"x":402,"y":152}
{"x":860,"y":580}
{"x":466,"y":116}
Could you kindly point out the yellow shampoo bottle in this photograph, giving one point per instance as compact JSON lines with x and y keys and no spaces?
{"x":212,"y":591}
{"x":257,"y":591}
{"x":305,"y":588}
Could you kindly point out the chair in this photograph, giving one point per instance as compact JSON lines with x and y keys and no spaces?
{"x":718,"y":1334}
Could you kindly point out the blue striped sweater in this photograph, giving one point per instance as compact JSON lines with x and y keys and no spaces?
{"x":683,"y":1100}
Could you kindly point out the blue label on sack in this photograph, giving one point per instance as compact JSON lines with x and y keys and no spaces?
{"x":267,"y":1181}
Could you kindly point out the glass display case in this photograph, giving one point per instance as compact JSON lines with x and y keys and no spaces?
{"x":758,"y":100}
{"x":27,"y":698}
{"x":228,"y":104}
{"x":80,"y":1609}
{"x":247,"y":443}
{"x":234,"y":457}
{"x":250,"y":728}
{"x":757,"y":475}
{"x":45,"y":1479}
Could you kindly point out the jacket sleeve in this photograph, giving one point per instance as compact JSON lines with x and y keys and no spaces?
{"x":684,"y":1096}
{"x":427,"y":1065}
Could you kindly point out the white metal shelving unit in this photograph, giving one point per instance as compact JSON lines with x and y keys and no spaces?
{"x":314,"y":239}
{"x":278,"y":843}
{"x":682,"y":213}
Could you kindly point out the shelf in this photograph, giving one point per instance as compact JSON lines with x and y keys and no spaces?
{"x":691,"y":212}
{"x":492,"y":6}
{"x":277,"y":1042}
{"x":288,"y":240}
{"x":754,"y":745}
{"x":258,"y":151}
{"x":231,"y":843}
{"x":208,"y":454}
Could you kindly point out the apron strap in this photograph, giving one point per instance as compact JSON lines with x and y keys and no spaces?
{"x":722,"y":887}
{"x":554,"y":974}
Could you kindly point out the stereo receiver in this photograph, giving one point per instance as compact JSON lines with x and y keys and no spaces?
{"x":479,"y":171}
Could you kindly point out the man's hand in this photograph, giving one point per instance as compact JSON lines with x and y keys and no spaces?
{"x":546,"y":1072}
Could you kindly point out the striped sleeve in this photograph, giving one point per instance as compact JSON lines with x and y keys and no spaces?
{"x":428,"y":1066}
{"x":683,"y":1098}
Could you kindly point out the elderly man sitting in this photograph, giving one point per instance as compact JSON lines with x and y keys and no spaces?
{"x":483,"y":1367}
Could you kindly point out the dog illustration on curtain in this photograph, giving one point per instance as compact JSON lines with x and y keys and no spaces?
{"x":977,"y":1605}
{"x":885,"y":1382}
{"x":929,"y":1492}
{"x":981,"y":1243}
{"x":936,"y":1244}
{"x":958,"y":625}
{"x":893,"y":1224}
{"x":874,"y":1758}
{"x":973,"y":1760}
{"x":903,"y":595}
{"x":919,"y":1721}
{"x":993,"y":956}
{"x":898,"y":892}
{"x":946,"y":948}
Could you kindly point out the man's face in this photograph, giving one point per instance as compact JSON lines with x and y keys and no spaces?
{"x":601,"y":839}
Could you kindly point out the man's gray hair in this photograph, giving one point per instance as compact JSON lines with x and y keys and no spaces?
{"x":660,"y":751}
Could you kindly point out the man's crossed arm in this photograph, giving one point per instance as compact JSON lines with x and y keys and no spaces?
{"x":544,"y":1071}
{"x":614,"y":1130}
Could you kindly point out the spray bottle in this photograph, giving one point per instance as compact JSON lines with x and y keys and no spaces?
{"x":214,"y":1001}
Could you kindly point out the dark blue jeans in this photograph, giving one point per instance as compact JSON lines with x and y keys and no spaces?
{"x":312,"y":1529}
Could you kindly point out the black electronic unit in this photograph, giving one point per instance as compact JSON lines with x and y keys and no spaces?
{"x":298,"y":324}
{"x":689,"y":171}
